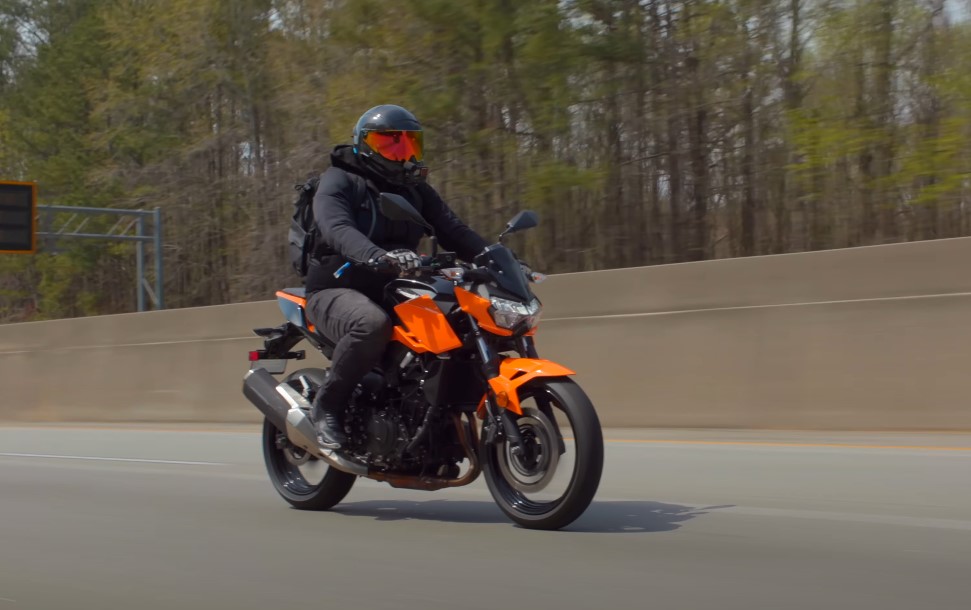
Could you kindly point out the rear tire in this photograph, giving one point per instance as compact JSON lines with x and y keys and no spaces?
{"x":572,"y":402}
{"x":286,"y":477}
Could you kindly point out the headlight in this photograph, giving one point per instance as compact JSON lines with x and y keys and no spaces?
{"x":511,"y":314}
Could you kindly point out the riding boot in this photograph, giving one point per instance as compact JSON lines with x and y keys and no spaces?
{"x":329,"y":426}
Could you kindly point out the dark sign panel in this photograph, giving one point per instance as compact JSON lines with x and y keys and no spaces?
{"x":18,"y":202}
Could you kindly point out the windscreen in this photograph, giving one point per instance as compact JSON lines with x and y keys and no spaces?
{"x":498,"y":258}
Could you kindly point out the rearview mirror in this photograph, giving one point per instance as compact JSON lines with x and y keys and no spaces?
{"x":396,"y":207}
{"x":520,"y":222}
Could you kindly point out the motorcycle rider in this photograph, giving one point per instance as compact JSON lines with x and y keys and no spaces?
{"x":387,"y":152}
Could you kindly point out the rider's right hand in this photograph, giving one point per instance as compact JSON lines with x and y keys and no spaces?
{"x":402,"y":259}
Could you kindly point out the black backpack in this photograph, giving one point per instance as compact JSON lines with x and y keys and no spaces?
{"x":304,"y":235}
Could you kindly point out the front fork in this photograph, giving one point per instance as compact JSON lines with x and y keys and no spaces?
{"x":527,"y":348}
{"x":504,"y":419}
{"x":497,"y":419}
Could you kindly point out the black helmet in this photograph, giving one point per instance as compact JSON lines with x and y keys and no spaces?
{"x":390,"y":140}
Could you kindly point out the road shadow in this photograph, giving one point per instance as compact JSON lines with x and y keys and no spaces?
{"x":618,"y":517}
{"x":635,"y":517}
{"x":446,"y":511}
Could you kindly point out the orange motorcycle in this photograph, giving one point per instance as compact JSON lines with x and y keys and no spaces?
{"x":460,"y":391}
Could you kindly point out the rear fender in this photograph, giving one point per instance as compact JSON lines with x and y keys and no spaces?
{"x":515,"y":373}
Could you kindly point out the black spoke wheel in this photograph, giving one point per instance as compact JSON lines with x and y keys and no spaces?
{"x":547,"y":485}
{"x":302,"y":480}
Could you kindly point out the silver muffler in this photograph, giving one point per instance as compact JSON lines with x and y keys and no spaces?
{"x":261,"y":389}
{"x":289,"y":411}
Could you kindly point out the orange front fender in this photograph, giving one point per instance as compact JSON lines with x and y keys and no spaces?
{"x":513,"y":374}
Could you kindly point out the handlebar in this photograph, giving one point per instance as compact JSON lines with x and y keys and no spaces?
{"x":429,"y":264}
{"x":381,"y":266}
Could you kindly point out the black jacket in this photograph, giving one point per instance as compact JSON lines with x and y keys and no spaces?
{"x":345,"y":224}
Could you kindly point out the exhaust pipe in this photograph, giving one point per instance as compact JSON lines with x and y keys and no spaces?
{"x":288,"y":410}
{"x":260,"y":388}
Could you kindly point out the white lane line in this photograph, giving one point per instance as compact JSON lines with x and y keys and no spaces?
{"x":7,"y":599}
{"x":109,"y":459}
{"x":824,"y":515}
{"x":786,"y":444}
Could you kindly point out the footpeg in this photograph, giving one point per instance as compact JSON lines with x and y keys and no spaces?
{"x":325,"y":445}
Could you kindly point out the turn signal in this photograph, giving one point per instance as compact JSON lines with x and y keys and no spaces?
{"x":502,"y":399}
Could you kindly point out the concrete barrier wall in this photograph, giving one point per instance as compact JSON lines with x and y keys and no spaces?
{"x":866,"y":338}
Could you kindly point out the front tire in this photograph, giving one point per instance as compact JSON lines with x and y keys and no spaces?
{"x":512,"y":480}
{"x":288,"y":479}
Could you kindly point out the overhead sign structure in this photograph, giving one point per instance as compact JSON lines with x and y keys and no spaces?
{"x":18,"y":215}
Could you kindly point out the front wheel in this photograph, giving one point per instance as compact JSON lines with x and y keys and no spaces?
{"x":550,"y":482}
{"x":301,"y":479}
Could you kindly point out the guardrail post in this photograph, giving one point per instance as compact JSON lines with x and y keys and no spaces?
{"x":140,"y":263}
{"x":159,"y":280}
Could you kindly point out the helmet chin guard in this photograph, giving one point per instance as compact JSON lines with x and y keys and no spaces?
{"x":395,"y":172}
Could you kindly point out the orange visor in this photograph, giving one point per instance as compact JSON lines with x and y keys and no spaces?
{"x":396,"y":145}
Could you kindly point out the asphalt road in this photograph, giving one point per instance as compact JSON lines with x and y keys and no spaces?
{"x":684,"y":520}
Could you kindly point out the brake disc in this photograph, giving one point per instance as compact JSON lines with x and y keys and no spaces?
{"x":534,"y":468}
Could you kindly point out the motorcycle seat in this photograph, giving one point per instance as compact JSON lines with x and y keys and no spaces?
{"x":293,"y":302}
{"x":300,"y":293}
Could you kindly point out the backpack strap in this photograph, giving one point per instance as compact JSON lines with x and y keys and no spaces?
{"x":362,"y":188}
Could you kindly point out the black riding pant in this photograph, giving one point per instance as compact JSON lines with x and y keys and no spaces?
{"x":359,"y":328}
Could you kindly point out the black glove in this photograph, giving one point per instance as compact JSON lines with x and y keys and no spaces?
{"x":404,"y":260}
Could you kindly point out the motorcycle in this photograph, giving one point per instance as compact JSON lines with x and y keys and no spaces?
{"x":459,"y":391}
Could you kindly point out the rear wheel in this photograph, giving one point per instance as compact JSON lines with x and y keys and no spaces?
{"x":301,"y":479}
{"x":549,"y":484}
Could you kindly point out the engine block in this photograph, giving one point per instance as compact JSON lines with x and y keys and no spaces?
{"x":381,"y":424}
